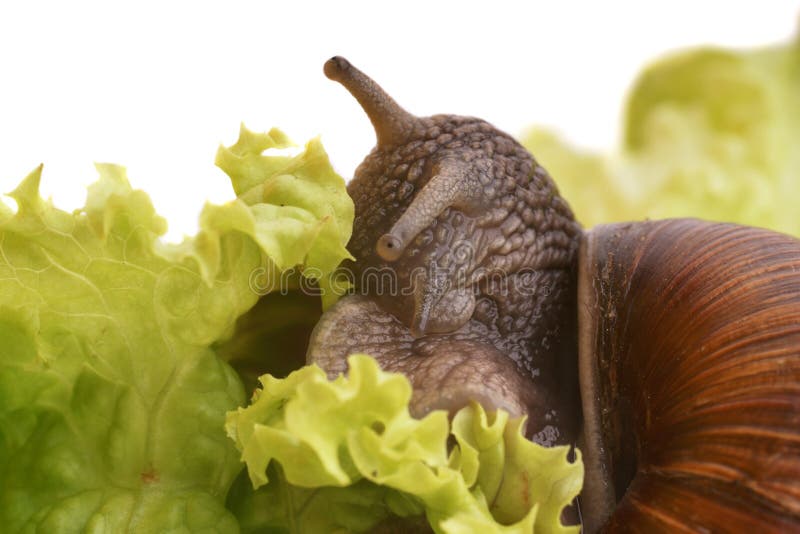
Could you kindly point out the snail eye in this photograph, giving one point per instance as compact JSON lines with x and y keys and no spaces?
{"x":389,"y":247}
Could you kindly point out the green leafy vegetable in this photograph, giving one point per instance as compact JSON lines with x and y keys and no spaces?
{"x":306,"y":216}
{"x":350,"y":445}
{"x":112,"y":401}
{"x":709,"y":133}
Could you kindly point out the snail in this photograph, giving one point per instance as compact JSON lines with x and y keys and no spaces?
{"x":668,"y":351}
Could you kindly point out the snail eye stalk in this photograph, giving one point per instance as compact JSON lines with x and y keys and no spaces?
{"x":392,"y":123}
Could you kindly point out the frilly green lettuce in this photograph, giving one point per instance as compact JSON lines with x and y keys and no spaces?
{"x":112,"y":401}
{"x":349,"y":448}
{"x":709,"y":133}
{"x":305,"y":214}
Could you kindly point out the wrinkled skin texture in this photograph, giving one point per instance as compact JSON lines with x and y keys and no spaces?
{"x":476,"y":301}
{"x":446,"y":371}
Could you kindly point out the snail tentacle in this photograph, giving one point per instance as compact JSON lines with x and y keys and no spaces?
{"x":445,"y":189}
{"x":392,"y":123}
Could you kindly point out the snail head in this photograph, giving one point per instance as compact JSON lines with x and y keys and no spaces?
{"x":450,"y":215}
{"x":438,"y":210}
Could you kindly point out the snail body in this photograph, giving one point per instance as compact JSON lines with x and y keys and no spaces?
{"x":683,"y":335}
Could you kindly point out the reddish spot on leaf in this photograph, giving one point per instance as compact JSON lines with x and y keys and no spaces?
{"x":149,"y":476}
{"x":526,"y":493}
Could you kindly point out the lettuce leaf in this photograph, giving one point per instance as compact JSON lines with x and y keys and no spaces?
{"x":306,"y":213}
{"x":349,"y":447}
{"x":709,"y":133}
{"x":112,"y":401}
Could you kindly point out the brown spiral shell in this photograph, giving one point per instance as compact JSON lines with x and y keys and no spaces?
{"x":690,"y":378}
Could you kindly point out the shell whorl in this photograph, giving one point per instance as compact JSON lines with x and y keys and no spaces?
{"x":690,"y":377}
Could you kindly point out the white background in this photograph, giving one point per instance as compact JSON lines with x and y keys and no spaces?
{"x":157,"y":86}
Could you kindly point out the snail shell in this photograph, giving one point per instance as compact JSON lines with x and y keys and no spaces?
{"x":689,"y":342}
